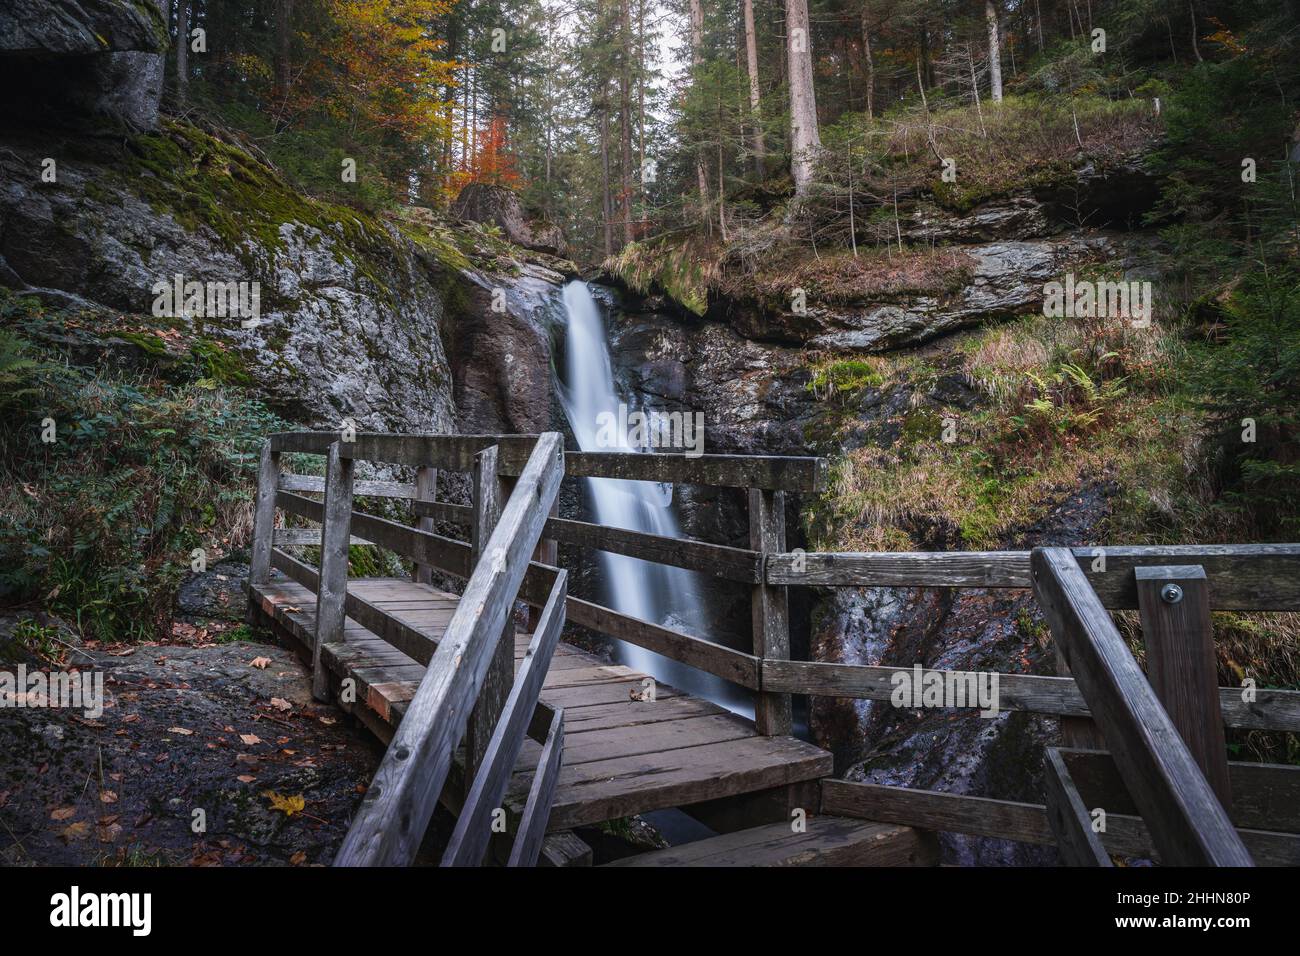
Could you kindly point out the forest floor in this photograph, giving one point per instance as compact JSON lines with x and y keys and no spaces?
{"x":209,"y":751}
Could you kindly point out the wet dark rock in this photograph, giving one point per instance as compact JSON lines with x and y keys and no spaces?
{"x":968,"y":629}
{"x":86,"y":61}
{"x":499,"y":347}
{"x":217,"y":593}
{"x":80,"y":26}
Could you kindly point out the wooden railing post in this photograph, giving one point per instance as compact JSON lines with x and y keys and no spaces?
{"x":548,"y":552}
{"x":426,"y":489}
{"x":1174,"y":604}
{"x":770,"y":608}
{"x":268,"y":481}
{"x":336,"y":531}
{"x":490,"y":494}
{"x":1182,"y":812}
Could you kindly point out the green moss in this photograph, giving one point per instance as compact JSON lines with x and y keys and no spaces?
{"x":219,"y":364}
{"x":147,"y":342}
{"x":844,"y":375}
{"x":205,"y":182}
{"x":922,"y":425}
{"x":677,"y":269}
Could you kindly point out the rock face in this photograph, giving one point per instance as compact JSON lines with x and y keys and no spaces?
{"x":96,"y":60}
{"x":1005,"y":278}
{"x":349,"y":323}
{"x":501,"y":352}
{"x":81,"y":26}
{"x":481,"y":202}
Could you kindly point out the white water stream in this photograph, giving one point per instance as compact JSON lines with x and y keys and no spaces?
{"x":652,"y":592}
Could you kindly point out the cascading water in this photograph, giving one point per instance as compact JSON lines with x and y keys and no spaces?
{"x":651,"y":592}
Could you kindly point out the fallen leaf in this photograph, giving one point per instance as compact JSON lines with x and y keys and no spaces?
{"x":286,"y":805}
{"x":250,"y":739}
{"x":260,"y":662}
{"x":245,"y":778}
{"x":179,"y":730}
{"x":107,"y":796}
{"x":328,"y":721}
{"x":75,"y":831}
{"x":63,"y":813}
{"x":280,"y":704}
{"x":298,"y":859}
{"x":110,"y":833}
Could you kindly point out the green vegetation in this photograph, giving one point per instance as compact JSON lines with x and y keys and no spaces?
{"x":147,"y":465}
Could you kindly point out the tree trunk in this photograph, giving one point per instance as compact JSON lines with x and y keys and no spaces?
{"x":697,"y":57}
{"x":607,"y":207}
{"x":804,"y":138}
{"x":182,"y":52}
{"x":1196,"y":46}
{"x":640,"y":102}
{"x":751,"y":62}
{"x":869,"y":62}
{"x":625,"y":120}
{"x":995,"y":52}
{"x":283,"y":44}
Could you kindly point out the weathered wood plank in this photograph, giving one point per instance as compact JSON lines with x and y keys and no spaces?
{"x":268,"y":472}
{"x":541,"y":796}
{"x":373,"y":489}
{"x":1186,"y":819}
{"x":1069,"y":818}
{"x":426,"y":490}
{"x":456,"y":453}
{"x":305,"y":538}
{"x":721,"y":561}
{"x":1009,"y":820}
{"x":1249,"y":577}
{"x":489,"y":492}
{"x":769,"y":609}
{"x":770,"y":472}
{"x":423,"y":547}
{"x":827,"y":841}
{"x":1272,"y":710}
{"x":608,"y":789}
{"x":1181,"y":664}
{"x":332,"y":586}
{"x":395,"y":811}
{"x":417,"y":643}
{"x":1265,"y":796}
{"x":448,"y":452}
{"x":473,"y":831}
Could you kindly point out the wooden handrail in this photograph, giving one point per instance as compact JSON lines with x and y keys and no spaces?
{"x":395,"y":811}
{"x":1186,"y":820}
{"x":456,"y":453}
{"x":1244,"y":577}
{"x":469,"y":840}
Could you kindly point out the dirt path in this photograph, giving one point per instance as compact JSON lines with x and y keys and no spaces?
{"x":181,"y":767}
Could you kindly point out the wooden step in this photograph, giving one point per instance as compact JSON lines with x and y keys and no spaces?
{"x":828,"y":841}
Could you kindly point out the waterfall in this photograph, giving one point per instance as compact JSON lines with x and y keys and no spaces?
{"x":652,"y":592}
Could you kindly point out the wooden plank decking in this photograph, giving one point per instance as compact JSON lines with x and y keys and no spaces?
{"x":621,"y":756}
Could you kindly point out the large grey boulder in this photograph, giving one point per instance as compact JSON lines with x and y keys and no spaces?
{"x":83,"y":62}
{"x":80,"y":27}
{"x":499,"y":206}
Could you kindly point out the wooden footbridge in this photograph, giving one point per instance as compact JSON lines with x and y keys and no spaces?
{"x":524,"y":738}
